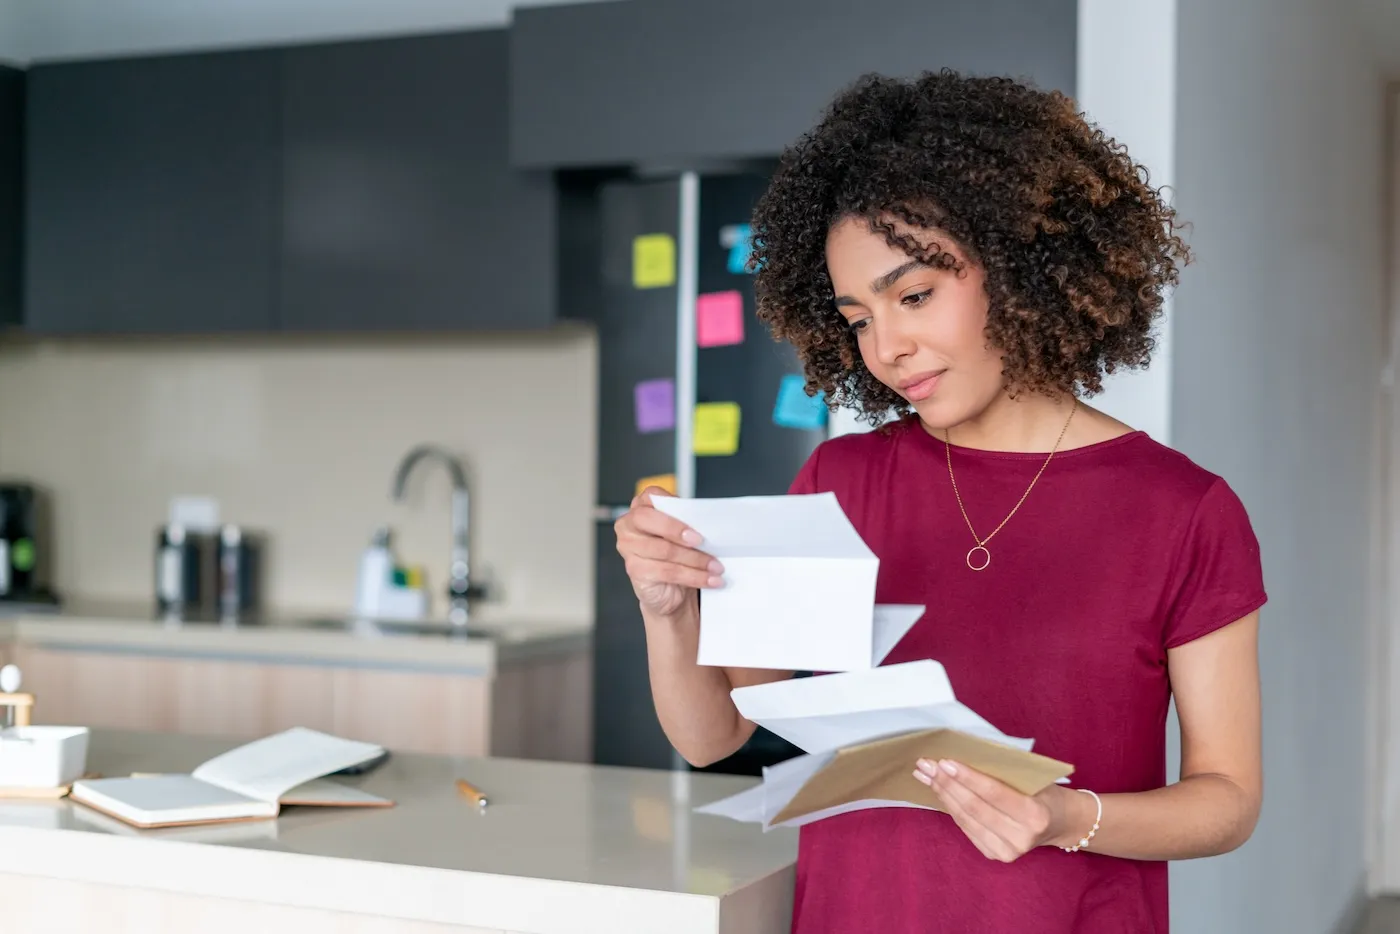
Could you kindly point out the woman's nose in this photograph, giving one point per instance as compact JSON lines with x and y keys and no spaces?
{"x":893,"y":339}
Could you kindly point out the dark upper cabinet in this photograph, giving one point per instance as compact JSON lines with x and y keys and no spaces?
{"x":399,"y":206}
{"x":670,"y":82}
{"x":152,"y":194}
{"x":11,"y":192}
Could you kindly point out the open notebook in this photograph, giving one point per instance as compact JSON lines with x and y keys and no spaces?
{"x":250,"y":782}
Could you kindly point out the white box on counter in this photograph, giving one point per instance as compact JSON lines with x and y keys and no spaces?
{"x":42,"y":756}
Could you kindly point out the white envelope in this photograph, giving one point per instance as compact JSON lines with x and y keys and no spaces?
{"x":799,"y":591}
{"x":826,"y":712}
{"x":781,"y":783}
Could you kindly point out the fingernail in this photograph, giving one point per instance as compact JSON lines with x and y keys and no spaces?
{"x":948,"y":767}
{"x":716,"y":567}
{"x":924,"y":765}
{"x":923,"y":778}
{"x":716,"y":582}
{"x":691,"y":537}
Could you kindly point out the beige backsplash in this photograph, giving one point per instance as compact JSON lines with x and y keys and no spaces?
{"x":299,"y":438}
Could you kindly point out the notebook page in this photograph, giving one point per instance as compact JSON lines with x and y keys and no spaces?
{"x":268,"y":768}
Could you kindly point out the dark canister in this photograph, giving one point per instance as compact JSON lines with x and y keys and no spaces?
{"x":24,"y":542}
{"x":239,"y":557}
{"x":184,"y":570}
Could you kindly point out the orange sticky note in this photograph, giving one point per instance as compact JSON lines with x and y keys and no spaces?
{"x":716,"y":429}
{"x":719,"y":319}
{"x":667,"y":481}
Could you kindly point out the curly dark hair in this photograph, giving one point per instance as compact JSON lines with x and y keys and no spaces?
{"x":1076,"y":247}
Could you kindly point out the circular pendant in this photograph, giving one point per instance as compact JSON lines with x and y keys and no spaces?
{"x":986,"y":558}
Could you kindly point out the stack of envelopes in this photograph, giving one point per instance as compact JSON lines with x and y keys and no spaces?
{"x":799,"y":595}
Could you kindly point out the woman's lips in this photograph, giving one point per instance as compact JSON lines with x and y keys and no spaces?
{"x":920,"y":387}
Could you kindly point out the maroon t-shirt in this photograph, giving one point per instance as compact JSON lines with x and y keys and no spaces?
{"x":1123,"y":550}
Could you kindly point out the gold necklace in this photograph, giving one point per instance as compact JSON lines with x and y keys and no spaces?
{"x":981,"y":545}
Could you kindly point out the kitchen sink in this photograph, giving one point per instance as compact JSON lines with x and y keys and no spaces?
{"x":396,"y":627}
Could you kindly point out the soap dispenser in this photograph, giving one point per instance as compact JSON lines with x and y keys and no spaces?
{"x":376,"y":574}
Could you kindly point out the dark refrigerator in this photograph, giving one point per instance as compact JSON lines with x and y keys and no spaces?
{"x":693,"y":391}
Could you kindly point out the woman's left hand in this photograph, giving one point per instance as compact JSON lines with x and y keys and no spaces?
{"x":1000,"y":821}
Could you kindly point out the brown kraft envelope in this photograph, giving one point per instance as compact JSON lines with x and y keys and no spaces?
{"x":883,"y":769}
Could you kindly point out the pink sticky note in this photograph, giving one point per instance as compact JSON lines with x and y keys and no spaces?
{"x":719,"y":319}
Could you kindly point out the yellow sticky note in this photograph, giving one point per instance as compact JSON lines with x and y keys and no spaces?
{"x":716,"y":429}
{"x":653,"y":261}
{"x":667,"y":481}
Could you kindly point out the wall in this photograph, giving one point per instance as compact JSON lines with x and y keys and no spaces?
{"x":1278,"y":342}
{"x":12,"y":45}
{"x":300,"y":439}
{"x":1126,"y":83}
{"x":1385,"y":855}
{"x":1381,"y":21}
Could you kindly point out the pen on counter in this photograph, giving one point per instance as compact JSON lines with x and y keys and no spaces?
{"x":471,"y":791}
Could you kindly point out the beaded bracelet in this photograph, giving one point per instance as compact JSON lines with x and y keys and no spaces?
{"x":1084,"y":841}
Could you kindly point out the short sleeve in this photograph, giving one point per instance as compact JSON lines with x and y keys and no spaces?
{"x":1218,"y":576}
{"x":806,"y":479}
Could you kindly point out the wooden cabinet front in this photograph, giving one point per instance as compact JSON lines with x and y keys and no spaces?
{"x":538,"y":710}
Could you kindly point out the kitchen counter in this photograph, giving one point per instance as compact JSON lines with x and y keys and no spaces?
{"x":562,"y":849}
{"x":291,"y":639}
{"x":520,"y":690}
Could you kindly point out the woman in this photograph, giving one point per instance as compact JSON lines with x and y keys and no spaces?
{"x":968,"y":256}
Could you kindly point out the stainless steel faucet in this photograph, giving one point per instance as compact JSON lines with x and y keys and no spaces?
{"x":460,"y":589}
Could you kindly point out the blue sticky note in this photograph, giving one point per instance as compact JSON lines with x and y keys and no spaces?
{"x":796,"y":409}
{"x":740,"y":248}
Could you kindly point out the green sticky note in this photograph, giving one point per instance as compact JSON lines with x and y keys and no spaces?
{"x":653,"y":261}
{"x":716,"y":429}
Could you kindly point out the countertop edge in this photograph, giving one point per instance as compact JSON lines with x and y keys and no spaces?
{"x":403,"y":892}
{"x":273,"y":644}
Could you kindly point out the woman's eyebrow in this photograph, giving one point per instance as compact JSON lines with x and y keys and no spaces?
{"x":881,"y":283}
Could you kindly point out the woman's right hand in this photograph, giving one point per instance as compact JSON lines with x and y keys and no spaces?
{"x":664,"y":564}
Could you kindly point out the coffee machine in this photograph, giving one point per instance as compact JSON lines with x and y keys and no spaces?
{"x":25,"y":545}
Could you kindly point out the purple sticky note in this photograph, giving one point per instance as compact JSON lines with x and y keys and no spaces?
{"x":719,"y":319}
{"x":655,"y":404}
